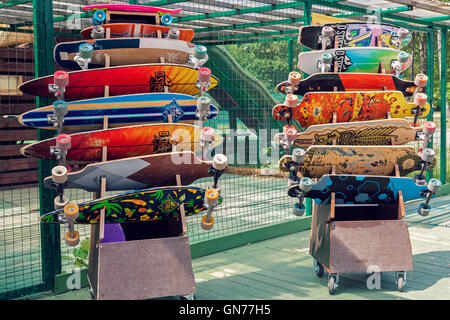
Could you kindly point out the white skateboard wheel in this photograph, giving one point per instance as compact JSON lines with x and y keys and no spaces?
{"x":294,"y":78}
{"x":291,"y":101}
{"x":59,"y":174}
{"x":434,"y":185}
{"x":86,"y":50}
{"x":299,"y":209}
{"x":326,"y":58}
{"x":403,"y":33}
{"x":424,"y":210}
{"x":59,"y":203}
{"x":71,"y":211}
{"x":63,"y":141}
{"x":219,"y":161}
{"x":403,"y":57}
{"x":60,"y":108}
{"x":298,"y":155}
{"x":174,"y":34}
{"x":204,"y":74}
{"x":306,"y":184}
{"x":420,"y":99}
{"x":61,"y":78}
{"x":207,"y":134}
{"x":293,"y":181}
{"x":203,"y":103}
{"x":166,"y":19}
{"x":427,"y":154}
{"x":327,"y":32}
{"x":72,"y":240}
{"x":207,"y":224}
{"x":99,"y":16}
{"x":429,"y":127}
{"x":421,"y":80}
{"x":200,"y":52}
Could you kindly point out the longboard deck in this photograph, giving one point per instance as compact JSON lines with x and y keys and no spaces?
{"x":142,"y":172}
{"x":360,"y":160}
{"x":126,"y":30}
{"x":121,"y":111}
{"x":131,"y":8}
{"x":349,"y":81}
{"x":125,"y":51}
{"x":352,"y":34}
{"x":141,"y":205}
{"x":318,"y":107}
{"x":352,"y":59}
{"x":122,"y":80}
{"x":125,"y":142}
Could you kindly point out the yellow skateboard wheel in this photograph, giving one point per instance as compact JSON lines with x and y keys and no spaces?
{"x":207,"y":225}
{"x":72,"y":240}
{"x":211,"y":196}
{"x":71,"y":211}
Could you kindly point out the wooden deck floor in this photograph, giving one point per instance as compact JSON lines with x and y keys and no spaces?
{"x":281,"y":268}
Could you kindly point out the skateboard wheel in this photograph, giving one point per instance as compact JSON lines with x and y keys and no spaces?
{"x":434,"y":185}
{"x":327,"y":32}
{"x":290,"y":132}
{"x":207,"y":134}
{"x":293,"y":181}
{"x":99,"y":16}
{"x":58,"y":203}
{"x":306,"y":184}
{"x":424,"y":210}
{"x":291,"y":101}
{"x":403,"y":57}
{"x":63,"y":141}
{"x":61,"y":78}
{"x":326,"y":58}
{"x":204,"y":74}
{"x":420,"y":180}
{"x":421,"y":80}
{"x":207,"y":224}
{"x":59,"y":174}
{"x":60,"y":108}
{"x":166,"y":19}
{"x":403,"y":33}
{"x":174,"y":34}
{"x":299,"y":209}
{"x":427,"y":154}
{"x":211,"y":196}
{"x":200,"y":52}
{"x":298,"y":155}
{"x":203,"y":103}
{"x":294,"y":78}
{"x":219,"y":161}
{"x":429,"y":127}
{"x":71,"y":211}
{"x":420,"y":99}
{"x":86,"y":50}
{"x":72,"y":240}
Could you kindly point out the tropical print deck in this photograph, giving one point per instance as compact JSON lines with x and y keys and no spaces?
{"x":143,"y":205}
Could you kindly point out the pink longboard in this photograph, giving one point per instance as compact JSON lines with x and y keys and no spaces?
{"x":131,"y":8}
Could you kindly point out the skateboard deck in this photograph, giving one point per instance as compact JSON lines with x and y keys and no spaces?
{"x":328,"y":81}
{"x":352,"y":34}
{"x":142,"y":172}
{"x":352,"y":59}
{"x":121,"y":111}
{"x":372,"y":132}
{"x":141,"y":205}
{"x":122,"y":80}
{"x":360,"y":160}
{"x":125,"y":142}
{"x":355,"y":189}
{"x":125,"y":51}
{"x":127,"y":30}
{"x":318,"y":107}
{"x":130,"y":8}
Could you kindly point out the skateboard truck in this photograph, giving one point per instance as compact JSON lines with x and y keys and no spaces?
{"x":433,"y":188}
{"x":59,"y":182}
{"x":219,"y":164}
{"x":62,"y":146}
{"x":425,"y":135}
{"x":206,"y":140}
{"x":327,"y":35}
{"x":290,"y":102}
{"x":71,"y":213}
{"x":203,"y":108}
{"x":199,"y":57}
{"x":61,"y":80}
{"x":427,"y":155}
{"x":60,"y":109}
{"x":288,"y":137}
{"x":203,"y":79}
{"x":420,"y":81}
{"x":293,"y":80}
{"x":297,"y":188}
{"x":420,"y":99}
{"x":324,"y":64}
{"x":98,"y":31}
{"x":397,"y":65}
{"x":84,"y":55}
{"x":402,"y":34}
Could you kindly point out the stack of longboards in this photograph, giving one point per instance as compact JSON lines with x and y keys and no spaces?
{"x":352,"y":108}
{"x":128,"y":108}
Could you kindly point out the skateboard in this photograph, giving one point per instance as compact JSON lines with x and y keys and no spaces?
{"x":121,"y":111}
{"x":373,"y":132}
{"x":130,"y":8}
{"x":318,"y":107}
{"x":124,"y":51}
{"x":353,"y":34}
{"x":126,"y":30}
{"x":147,"y":171}
{"x":355,"y":59}
{"x":122,"y":80}
{"x":133,"y":141}
{"x":348,"y":81}
{"x":361,"y":160}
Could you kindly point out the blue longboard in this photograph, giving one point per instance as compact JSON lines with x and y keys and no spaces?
{"x":121,"y":111}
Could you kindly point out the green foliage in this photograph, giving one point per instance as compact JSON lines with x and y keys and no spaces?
{"x":78,"y":258}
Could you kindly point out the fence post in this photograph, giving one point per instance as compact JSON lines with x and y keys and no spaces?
{"x":443,"y":149}
{"x":430,"y":84}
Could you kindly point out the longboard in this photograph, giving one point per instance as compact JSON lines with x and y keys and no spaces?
{"x":121,"y":111}
{"x":140,"y":205}
{"x":125,"y":142}
{"x":143,"y":78}
{"x":354,"y":189}
{"x":360,"y":160}
{"x":348,"y":81}
{"x":353,"y":59}
{"x":131,"y":8}
{"x":352,"y":34}
{"x":147,"y":171}
{"x":126,"y":30}
{"x":318,"y":107}
{"x":372,"y":132}
{"x":125,"y":51}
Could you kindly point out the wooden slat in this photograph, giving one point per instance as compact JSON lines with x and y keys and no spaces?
{"x":16,"y":68}
{"x":18,"y":164}
{"x":18,"y":177}
{"x":17,"y":53}
{"x":18,"y":135}
{"x":16,"y":108}
{"x":7,"y":123}
{"x":10,"y":150}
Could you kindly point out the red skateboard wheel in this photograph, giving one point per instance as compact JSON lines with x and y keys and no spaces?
{"x":208,"y":134}
{"x":61,"y":78}
{"x":63,"y":141}
{"x":429,"y":127}
{"x":204,"y":74}
{"x":290,"y":131}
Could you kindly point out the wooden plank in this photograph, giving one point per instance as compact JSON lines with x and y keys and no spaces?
{"x":12,"y":122}
{"x":18,"y":164}
{"x":10,"y":150}
{"x":18,"y":177}
{"x":16,"y":108}
{"x":18,"y":135}
{"x":17,"y":53}
{"x":17,"y":68}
